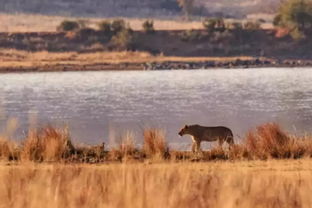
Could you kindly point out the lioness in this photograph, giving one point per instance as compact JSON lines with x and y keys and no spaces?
{"x":210,"y":134}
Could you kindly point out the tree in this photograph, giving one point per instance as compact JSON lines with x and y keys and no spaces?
{"x":148,"y":26}
{"x":67,"y":25}
{"x":187,"y":7}
{"x":214,"y":25}
{"x":124,"y":39}
{"x":118,"y":25}
{"x":105,"y":27}
{"x":296,"y":16}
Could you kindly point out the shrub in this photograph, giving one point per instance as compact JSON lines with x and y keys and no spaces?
{"x":118,"y":25}
{"x":209,"y":24}
{"x":123,"y":40}
{"x":7,"y":149}
{"x":126,"y":149}
{"x":277,"y":21}
{"x":252,"y":25}
{"x":105,"y":26}
{"x":67,"y":25}
{"x":47,"y":144}
{"x":268,"y":141}
{"x":148,"y":26}
{"x":155,"y":145}
{"x":214,"y":24}
{"x":295,"y":15}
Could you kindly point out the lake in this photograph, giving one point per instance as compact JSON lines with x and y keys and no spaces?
{"x":102,"y":106}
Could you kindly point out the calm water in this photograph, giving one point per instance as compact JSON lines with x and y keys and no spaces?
{"x":99,"y":106}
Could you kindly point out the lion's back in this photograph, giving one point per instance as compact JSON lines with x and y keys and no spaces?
{"x":214,"y":132}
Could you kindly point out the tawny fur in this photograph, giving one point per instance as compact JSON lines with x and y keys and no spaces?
{"x":201,"y":133}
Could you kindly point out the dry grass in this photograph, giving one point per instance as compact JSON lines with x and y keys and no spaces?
{"x":7,"y":149}
{"x":42,"y":23}
{"x":47,"y":144}
{"x":155,"y":145}
{"x":269,"y":141}
{"x":125,"y":151}
{"x":50,"y":144}
{"x":221,"y":184}
{"x":38,"y":23}
{"x":11,"y":58}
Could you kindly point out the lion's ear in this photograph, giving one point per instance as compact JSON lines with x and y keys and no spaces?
{"x":186,"y":126}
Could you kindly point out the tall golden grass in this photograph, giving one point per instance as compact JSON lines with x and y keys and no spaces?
{"x":126,"y":150}
{"x":155,"y":145}
{"x":46,"y":144}
{"x":284,"y":183}
{"x":270,"y":141}
{"x":7,"y":149}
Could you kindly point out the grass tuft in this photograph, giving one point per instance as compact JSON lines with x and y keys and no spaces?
{"x":47,"y":144}
{"x":8,"y":150}
{"x":155,"y":145}
{"x":126,"y":150}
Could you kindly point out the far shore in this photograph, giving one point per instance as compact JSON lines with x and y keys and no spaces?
{"x":22,"y":61}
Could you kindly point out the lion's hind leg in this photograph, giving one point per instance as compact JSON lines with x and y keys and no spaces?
{"x":230,"y":141}
{"x":221,"y":141}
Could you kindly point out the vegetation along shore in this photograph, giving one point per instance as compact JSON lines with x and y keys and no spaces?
{"x":43,"y":61}
{"x":50,"y":144}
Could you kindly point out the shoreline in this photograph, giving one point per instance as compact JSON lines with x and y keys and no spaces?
{"x":155,"y":65}
{"x":50,"y":144}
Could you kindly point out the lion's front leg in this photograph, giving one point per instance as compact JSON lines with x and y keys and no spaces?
{"x":193,"y":146}
{"x":197,"y":144}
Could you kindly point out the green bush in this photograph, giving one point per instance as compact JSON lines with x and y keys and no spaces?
{"x":148,"y":26}
{"x":67,"y":25}
{"x":214,"y":24}
{"x":209,"y":24}
{"x":118,"y":25}
{"x":105,"y":26}
{"x":252,"y":25}
{"x":295,"y":15}
{"x":277,"y":20}
{"x":124,"y":39}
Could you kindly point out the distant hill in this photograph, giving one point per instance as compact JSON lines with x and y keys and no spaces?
{"x":135,"y":8}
